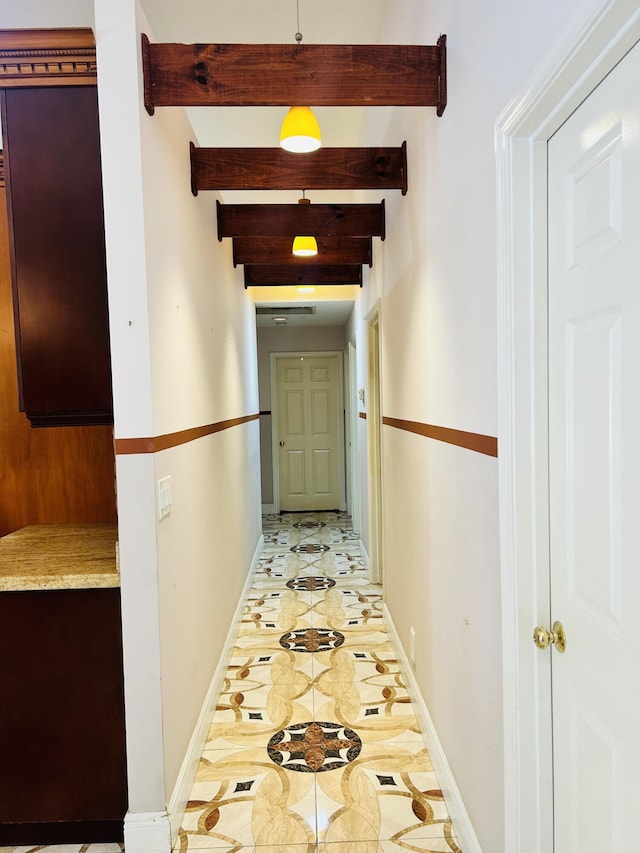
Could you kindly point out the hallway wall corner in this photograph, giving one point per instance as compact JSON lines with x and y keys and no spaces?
{"x":147,"y":832}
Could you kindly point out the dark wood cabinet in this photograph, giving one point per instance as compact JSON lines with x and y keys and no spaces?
{"x":62,"y":742}
{"x":56,"y":233}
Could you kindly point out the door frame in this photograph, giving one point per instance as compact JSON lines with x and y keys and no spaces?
{"x":374,"y":446}
{"x":353,"y":456}
{"x":273,"y":358}
{"x":568,"y":73}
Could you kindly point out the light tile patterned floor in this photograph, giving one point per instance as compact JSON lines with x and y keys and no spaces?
{"x":64,"y":848}
{"x":314,"y":746}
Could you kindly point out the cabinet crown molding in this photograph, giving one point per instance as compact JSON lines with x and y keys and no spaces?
{"x":47,"y":58}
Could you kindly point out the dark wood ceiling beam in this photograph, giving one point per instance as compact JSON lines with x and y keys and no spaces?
{"x":288,"y":220}
{"x":257,"y":275}
{"x":245,"y":75}
{"x":277,"y":250}
{"x":277,"y":169}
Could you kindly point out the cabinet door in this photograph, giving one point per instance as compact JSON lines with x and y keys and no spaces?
{"x":56,"y":227}
{"x":62,"y":731}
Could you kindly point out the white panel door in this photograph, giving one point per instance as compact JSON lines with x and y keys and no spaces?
{"x":308,"y":419}
{"x":594,"y":463}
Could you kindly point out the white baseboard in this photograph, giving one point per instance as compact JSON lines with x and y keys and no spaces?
{"x":147,"y":832}
{"x":268,"y":509}
{"x":254,"y":563}
{"x":462,"y":826}
{"x":363,"y":553}
{"x":184,"y":783}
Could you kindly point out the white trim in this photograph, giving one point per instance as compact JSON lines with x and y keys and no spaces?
{"x":275,"y":467}
{"x":375,"y":453}
{"x":184,"y":783}
{"x":364,"y":554}
{"x":353,"y":456}
{"x":273,"y":357}
{"x":346,"y":428}
{"x":147,"y":832}
{"x":572,"y":68}
{"x":462,"y":826}
{"x":268,"y":509}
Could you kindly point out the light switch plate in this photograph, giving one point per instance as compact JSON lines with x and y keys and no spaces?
{"x":164,"y":497}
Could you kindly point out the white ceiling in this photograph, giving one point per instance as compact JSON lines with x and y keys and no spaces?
{"x":261,"y":22}
{"x":326,"y":314}
{"x":264,"y":22}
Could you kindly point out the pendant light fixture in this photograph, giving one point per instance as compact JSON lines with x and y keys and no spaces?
{"x":304,"y":246}
{"x":300,"y":131}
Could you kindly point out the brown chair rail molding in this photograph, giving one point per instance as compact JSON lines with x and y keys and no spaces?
{"x":128,"y":446}
{"x":486,"y":444}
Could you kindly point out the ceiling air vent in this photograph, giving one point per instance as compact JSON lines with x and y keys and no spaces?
{"x":285,"y":311}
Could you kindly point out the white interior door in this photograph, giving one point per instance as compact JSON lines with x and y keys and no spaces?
{"x":594,"y":465}
{"x":308,"y":390}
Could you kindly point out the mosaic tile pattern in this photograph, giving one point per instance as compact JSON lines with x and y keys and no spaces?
{"x":314,"y":746}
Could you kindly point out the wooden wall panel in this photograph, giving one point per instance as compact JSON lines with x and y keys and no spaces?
{"x":47,"y":475}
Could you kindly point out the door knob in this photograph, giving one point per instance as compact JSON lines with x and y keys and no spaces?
{"x":543,"y":638}
{"x":282,"y":444}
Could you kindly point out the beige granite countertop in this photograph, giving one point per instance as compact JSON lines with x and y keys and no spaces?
{"x":59,"y":556}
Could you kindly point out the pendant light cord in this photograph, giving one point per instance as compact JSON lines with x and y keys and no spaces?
{"x":298,"y":35}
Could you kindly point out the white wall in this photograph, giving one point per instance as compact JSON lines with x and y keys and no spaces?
{"x":44,"y":14}
{"x":203,"y":357}
{"x":287,"y":339}
{"x":435,"y":276}
{"x":184,"y":356}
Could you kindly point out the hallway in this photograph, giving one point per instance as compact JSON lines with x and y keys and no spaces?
{"x":313,"y":665}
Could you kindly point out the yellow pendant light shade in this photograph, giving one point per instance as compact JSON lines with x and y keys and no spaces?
{"x":305,"y":247}
{"x":300,"y":131}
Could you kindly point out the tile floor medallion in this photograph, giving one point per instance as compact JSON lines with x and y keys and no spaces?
{"x":314,"y":746}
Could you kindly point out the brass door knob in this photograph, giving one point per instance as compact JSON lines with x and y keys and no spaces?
{"x":544,"y":638}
